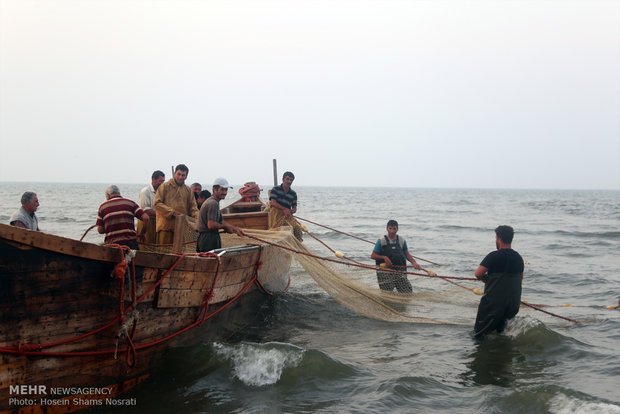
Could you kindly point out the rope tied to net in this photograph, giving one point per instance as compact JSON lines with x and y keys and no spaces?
{"x":429,"y":273}
{"x":356,"y":237}
{"x":356,"y":264}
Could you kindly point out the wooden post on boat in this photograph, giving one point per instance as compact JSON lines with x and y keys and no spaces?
{"x":179,"y":234}
{"x":275,"y":172}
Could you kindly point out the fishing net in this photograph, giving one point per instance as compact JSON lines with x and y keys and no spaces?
{"x":355,"y":285}
{"x":190,"y":236}
{"x":434,"y":300}
{"x":352,"y":284}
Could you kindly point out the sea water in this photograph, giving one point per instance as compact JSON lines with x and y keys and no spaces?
{"x":305,"y":353}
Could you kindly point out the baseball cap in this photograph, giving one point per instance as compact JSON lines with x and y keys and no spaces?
{"x":222,"y":182}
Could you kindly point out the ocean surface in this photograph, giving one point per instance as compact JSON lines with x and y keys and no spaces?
{"x":306,"y":353}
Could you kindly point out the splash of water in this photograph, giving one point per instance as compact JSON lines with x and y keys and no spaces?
{"x":561,"y":404}
{"x":260,"y":364}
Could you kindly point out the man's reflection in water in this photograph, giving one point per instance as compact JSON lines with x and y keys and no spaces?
{"x":492,"y":361}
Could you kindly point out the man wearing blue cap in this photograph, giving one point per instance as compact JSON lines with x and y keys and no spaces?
{"x":210,"y":219}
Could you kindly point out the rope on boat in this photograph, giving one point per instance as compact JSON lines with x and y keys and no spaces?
{"x":122,"y":319}
{"x":125,"y":320}
{"x":87,"y":230}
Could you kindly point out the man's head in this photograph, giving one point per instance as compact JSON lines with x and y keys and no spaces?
{"x":30,"y":201}
{"x":111,"y":191}
{"x":220,"y":188}
{"x":505,"y":234}
{"x":202,"y":197}
{"x":180,"y":174}
{"x":392,"y":228}
{"x":157,"y":179}
{"x":196,"y":188}
{"x":287,"y":179}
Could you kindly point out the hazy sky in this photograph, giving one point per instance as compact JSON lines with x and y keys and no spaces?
{"x":502,"y":94}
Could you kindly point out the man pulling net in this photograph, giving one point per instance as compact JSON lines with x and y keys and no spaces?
{"x":391,"y":255}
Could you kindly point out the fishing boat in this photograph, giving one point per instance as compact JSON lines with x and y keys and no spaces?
{"x":248,"y":212}
{"x":81,"y":323}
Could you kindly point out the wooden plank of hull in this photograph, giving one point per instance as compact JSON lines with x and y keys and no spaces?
{"x":247,"y":215}
{"x":257,"y":220}
{"x":53,"y":290}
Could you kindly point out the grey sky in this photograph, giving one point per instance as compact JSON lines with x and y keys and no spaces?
{"x":508,"y":94}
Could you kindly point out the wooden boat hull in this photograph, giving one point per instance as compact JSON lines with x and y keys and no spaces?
{"x":67,"y":319}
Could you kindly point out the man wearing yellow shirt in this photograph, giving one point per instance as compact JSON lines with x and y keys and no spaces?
{"x":172,"y":199}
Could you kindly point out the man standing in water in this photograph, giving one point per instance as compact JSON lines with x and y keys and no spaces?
{"x":172,"y":199}
{"x":210,"y":219}
{"x":502,"y":274}
{"x":392,"y":251}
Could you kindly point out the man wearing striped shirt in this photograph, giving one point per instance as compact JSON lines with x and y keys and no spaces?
{"x":283,"y":204}
{"x":116,"y":219}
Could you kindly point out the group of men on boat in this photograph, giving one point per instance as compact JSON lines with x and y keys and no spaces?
{"x":161,"y":201}
{"x":164,"y":200}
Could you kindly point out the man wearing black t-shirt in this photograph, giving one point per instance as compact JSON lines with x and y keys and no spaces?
{"x":502,"y":274}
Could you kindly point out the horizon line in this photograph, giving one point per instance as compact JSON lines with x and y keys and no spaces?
{"x":343,"y":186}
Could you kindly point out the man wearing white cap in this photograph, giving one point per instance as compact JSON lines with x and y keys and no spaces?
{"x":210,"y":219}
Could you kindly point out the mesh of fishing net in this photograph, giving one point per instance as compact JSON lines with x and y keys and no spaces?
{"x":355,"y":285}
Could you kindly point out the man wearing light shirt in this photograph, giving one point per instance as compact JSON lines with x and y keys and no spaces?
{"x":25,"y":217}
{"x":147,"y":196}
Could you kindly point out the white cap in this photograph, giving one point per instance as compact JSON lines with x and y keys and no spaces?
{"x":222,"y":182}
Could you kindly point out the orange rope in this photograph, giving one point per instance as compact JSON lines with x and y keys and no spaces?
{"x":550,"y":313}
{"x":29,"y":348}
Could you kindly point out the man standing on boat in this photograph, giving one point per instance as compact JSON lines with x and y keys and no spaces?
{"x":391,"y":252}
{"x":196,"y":189}
{"x":210,"y":219}
{"x":116,"y":216}
{"x":202,"y":197}
{"x":25,"y":217}
{"x":147,"y":196}
{"x":502,"y":274}
{"x":283,"y":204}
{"x":173,"y":198}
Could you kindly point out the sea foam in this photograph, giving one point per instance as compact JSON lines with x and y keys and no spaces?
{"x":260,"y":364}
{"x":561,"y":404}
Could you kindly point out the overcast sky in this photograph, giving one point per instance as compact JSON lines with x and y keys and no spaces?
{"x":475,"y":94}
